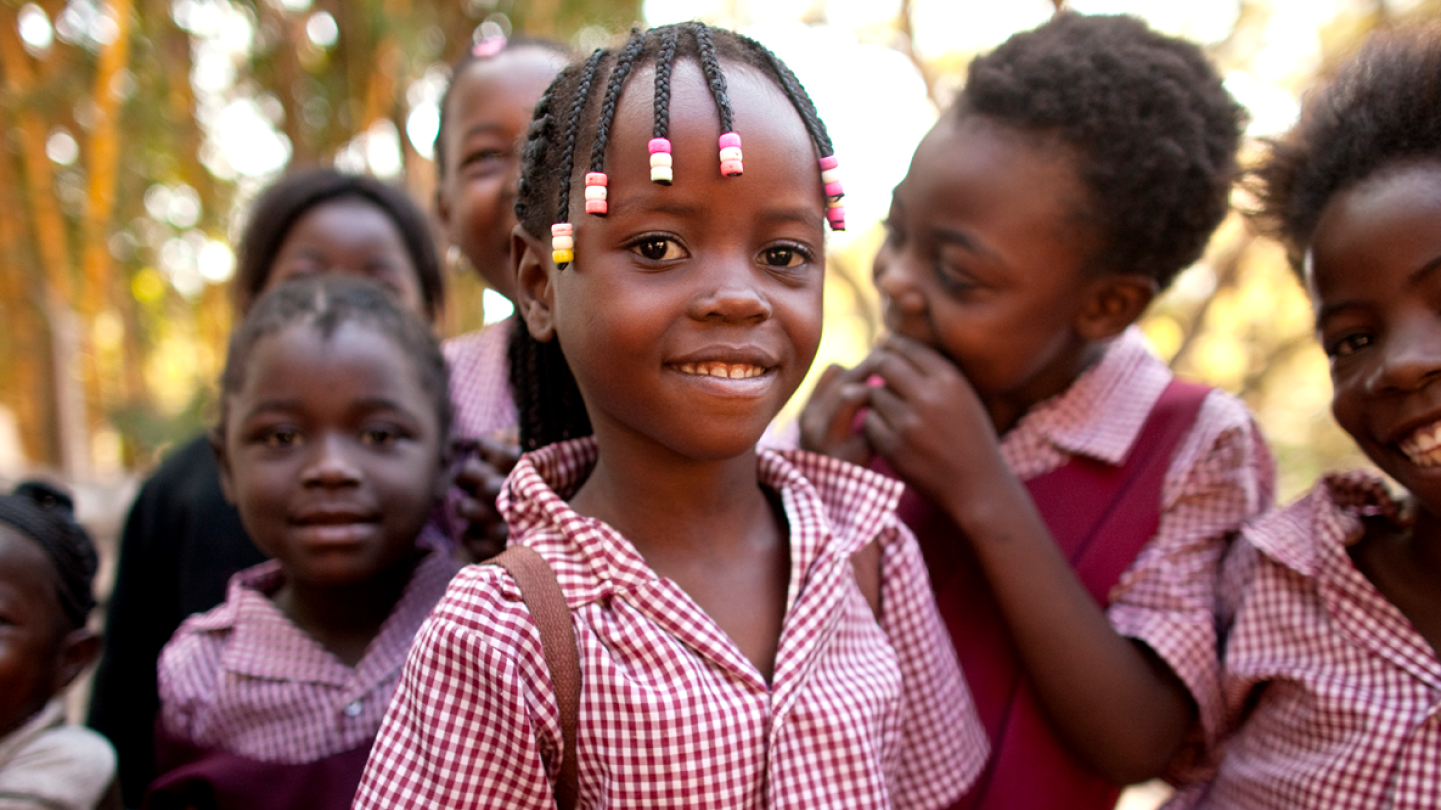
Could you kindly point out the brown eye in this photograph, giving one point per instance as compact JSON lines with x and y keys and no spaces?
{"x":659,"y":249}
{"x":783,"y":256}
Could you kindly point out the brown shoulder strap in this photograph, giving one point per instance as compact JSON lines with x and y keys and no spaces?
{"x":541,"y":592}
{"x":867,"y":565}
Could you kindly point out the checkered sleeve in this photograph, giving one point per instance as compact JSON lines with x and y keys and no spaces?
{"x":185,"y":680}
{"x":474,"y":722}
{"x":943,"y":746}
{"x":1222,"y":474}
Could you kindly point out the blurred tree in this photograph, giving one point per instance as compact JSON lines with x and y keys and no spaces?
{"x":133,"y":131}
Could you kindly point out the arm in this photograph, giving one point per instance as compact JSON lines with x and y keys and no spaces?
{"x":474,"y":721}
{"x":943,"y":746}
{"x":1113,"y":701}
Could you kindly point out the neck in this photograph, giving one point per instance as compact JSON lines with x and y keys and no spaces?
{"x":668,"y":504}
{"x":1006,"y":410}
{"x":1426,"y":538}
{"x":345,"y":618}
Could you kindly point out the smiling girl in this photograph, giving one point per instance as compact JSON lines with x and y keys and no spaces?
{"x":333,"y":421}
{"x":728,"y":655}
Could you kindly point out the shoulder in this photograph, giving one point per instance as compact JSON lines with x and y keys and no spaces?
{"x":62,"y":766}
{"x":191,"y":661}
{"x":1299,"y":536}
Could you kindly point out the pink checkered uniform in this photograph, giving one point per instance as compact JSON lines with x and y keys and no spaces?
{"x":1334,"y":693}
{"x":242,"y":677}
{"x":858,"y":714}
{"x":480,"y":382}
{"x":1221,"y":474}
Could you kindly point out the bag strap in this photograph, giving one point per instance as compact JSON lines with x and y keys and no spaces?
{"x":867,"y":565}
{"x":540,"y":590}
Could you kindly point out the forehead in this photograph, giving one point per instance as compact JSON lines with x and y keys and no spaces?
{"x":514,"y":78}
{"x":357,"y":357}
{"x":780,"y":159}
{"x":344,"y":219}
{"x":1390,"y":220}
{"x":25,"y":569}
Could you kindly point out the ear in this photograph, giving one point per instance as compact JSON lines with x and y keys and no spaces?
{"x":78,"y":650}
{"x":1114,"y":302}
{"x":222,"y":462}
{"x":535,"y":292}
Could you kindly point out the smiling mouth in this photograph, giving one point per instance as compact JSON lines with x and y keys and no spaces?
{"x":725,"y":371}
{"x":1423,"y":446}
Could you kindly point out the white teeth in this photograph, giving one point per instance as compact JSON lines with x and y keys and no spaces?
{"x":739,"y":371}
{"x":1423,"y":446}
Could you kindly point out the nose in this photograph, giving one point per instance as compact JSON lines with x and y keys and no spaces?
{"x":1410,"y":356}
{"x":894,"y":276}
{"x":732,"y":293}
{"x":329,"y":464}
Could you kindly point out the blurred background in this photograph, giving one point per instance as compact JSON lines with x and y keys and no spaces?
{"x":137,"y":131}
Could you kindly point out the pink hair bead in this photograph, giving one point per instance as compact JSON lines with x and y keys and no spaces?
{"x":659,"y":145}
{"x":732,"y":168}
{"x":596,"y":179}
{"x":835,"y":189}
{"x":829,"y":162}
{"x":730,"y":139}
{"x":595,"y":206}
{"x":837,"y":218}
{"x":562,"y":229}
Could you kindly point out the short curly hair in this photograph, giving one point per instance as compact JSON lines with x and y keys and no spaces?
{"x":1154,"y":131}
{"x":1380,"y":109}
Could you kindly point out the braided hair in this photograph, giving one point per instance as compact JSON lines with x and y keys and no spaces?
{"x":548,"y":402}
{"x":326,"y":303}
{"x":46,"y":514}
{"x":1383,"y":108}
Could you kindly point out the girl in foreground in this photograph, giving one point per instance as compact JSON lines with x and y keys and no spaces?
{"x":728,"y":656}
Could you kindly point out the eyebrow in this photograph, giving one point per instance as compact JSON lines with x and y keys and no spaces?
{"x":969,"y":242}
{"x":364,"y":404}
{"x":778,"y":214}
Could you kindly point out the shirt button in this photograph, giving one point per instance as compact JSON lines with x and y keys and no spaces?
{"x":353,"y":708}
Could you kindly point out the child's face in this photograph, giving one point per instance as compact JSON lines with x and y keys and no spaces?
{"x":31,"y":630}
{"x":1375,"y":275}
{"x":984,"y":260}
{"x":349,"y":237}
{"x":490,"y":108}
{"x":692,"y":312}
{"x":332,"y":452}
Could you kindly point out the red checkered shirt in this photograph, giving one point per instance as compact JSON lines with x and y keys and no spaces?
{"x":858,"y":715}
{"x":1221,"y":475}
{"x":244,"y":678}
{"x":1337,"y":696}
{"x":480,"y":382}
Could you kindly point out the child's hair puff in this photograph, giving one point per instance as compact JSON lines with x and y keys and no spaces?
{"x":278,"y":208}
{"x":1153,"y":130}
{"x":46,"y":514}
{"x":1381,"y":108}
{"x":576,"y":114}
{"x":326,"y":303}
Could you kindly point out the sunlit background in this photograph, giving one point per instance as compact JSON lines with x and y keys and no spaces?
{"x":138,"y":131}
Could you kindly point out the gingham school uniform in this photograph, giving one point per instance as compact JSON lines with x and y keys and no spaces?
{"x":480,"y":381}
{"x":1221,"y":474}
{"x":857,"y":715}
{"x":245,"y":679}
{"x":1337,"y":696}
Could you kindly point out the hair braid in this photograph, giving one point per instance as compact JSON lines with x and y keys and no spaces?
{"x":799,"y":98}
{"x":577,"y":106}
{"x":714,"y":77}
{"x":663,"y":62}
{"x":623,"y":63}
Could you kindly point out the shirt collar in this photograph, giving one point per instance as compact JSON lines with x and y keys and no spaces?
{"x":267,"y":644}
{"x":832,"y":507}
{"x":1102,"y":412}
{"x":1304,"y":536}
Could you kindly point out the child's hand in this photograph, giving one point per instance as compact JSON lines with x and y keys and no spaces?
{"x":928,"y":424}
{"x":827,"y":424}
{"x":480,"y":475}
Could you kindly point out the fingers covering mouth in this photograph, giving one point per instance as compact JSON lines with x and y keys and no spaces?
{"x":726,"y":371}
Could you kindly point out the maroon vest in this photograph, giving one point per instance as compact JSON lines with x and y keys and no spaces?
{"x":1100,"y":516}
{"x":194,"y":778}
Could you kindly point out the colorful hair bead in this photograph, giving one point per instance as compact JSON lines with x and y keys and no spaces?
{"x":660,"y":161}
{"x":562,"y":243}
{"x":836,"y":214}
{"x":595,"y":192}
{"x":730,"y":155}
{"x":831,"y":177}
